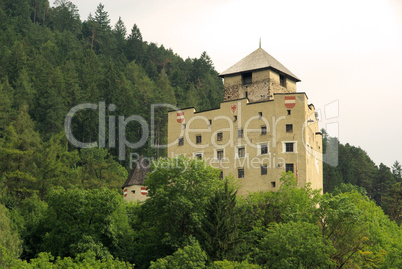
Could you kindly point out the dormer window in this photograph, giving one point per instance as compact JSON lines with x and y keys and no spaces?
{"x":246,"y":78}
{"x":282,"y":80}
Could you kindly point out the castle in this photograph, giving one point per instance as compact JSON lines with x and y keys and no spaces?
{"x":262,"y":128}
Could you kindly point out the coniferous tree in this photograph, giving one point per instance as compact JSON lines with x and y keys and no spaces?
{"x":73,"y":94}
{"x":382,"y":184}
{"x":218,"y":232}
{"x":85,"y":123}
{"x":120,"y":33}
{"x":104,"y":43}
{"x":6,"y":102}
{"x":39,"y":11}
{"x":134,"y":48}
{"x":51,"y":109}
{"x":18,"y":156}
{"x":24,"y":91}
{"x":65,"y":17}
{"x":392,"y":202}
{"x":17,"y":61}
{"x":397,"y":171}
{"x":9,"y":239}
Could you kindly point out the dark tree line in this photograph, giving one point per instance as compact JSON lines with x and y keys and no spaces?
{"x":50,"y":61}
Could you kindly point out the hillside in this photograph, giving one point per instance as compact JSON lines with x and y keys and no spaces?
{"x":51,"y":61}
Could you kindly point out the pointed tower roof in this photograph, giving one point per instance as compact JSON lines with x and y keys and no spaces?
{"x":258,"y":59}
{"x":137,"y":176}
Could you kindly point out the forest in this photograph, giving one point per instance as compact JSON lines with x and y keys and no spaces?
{"x":62,"y":207}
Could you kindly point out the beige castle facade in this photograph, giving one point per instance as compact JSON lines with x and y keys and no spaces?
{"x":262,"y":129}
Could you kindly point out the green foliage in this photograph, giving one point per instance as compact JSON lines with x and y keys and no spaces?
{"x":225,"y":264}
{"x":17,"y":156}
{"x":10,"y":243}
{"x":99,"y":169}
{"x":190,"y":256}
{"x":384,"y":181}
{"x":342,"y":223}
{"x":397,"y":171}
{"x":65,"y":17}
{"x":84,"y":260}
{"x":290,"y":203}
{"x":79,"y":220}
{"x":218,"y":231}
{"x":347,"y":187}
{"x":6,"y":101}
{"x":30,"y":218}
{"x":179,"y":190}
{"x":383,"y":246}
{"x":339,"y":230}
{"x":291,"y":228}
{"x":393,"y":202}
{"x":24,"y":92}
{"x":346,"y":167}
{"x":292,"y":245}
{"x":51,"y":61}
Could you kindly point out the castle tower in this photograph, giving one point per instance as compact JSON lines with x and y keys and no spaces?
{"x":133,"y":189}
{"x":257,"y":77}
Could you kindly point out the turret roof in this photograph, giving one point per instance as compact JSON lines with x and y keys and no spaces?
{"x":137,"y":176}
{"x":258,"y":59}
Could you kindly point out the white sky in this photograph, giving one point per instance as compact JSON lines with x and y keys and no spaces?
{"x":345,"y":51}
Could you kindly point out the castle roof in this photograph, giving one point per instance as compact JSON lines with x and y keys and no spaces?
{"x":258,"y":59}
{"x":137,"y":176}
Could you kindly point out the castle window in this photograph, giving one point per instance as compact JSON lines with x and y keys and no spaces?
{"x":264,"y":169}
{"x":241,"y":152}
{"x":240,"y":172}
{"x":181,"y":141}
{"x":210,"y":122}
{"x":184,"y":126}
{"x":219,"y":154}
{"x":246,"y":94}
{"x":282,"y":80}
{"x":240,"y":133}
{"x":221,"y":175}
{"x":235,"y":118}
{"x":264,"y":148}
{"x":263,"y":130}
{"x":289,"y":167}
{"x":198,"y":156}
{"x":259,"y":115}
{"x":247,"y":78}
{"x":273,"y":184}
{"x":289,"y":111}
{"x":289,"y":147}
{"x":219,"y":136}
{"x":289,"y":128}
{"x":198,"y":139}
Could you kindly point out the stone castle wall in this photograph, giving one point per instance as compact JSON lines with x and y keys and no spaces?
{"x":260,"y":90}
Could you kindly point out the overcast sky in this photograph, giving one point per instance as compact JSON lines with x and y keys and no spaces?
{"x":346,"y":52}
